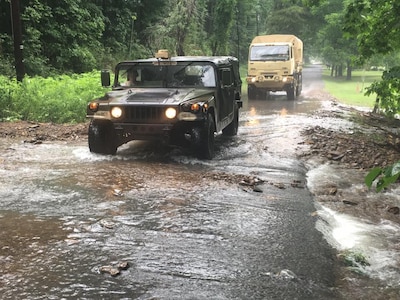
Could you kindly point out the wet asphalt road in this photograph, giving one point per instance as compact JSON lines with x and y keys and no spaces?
{"x":188,"y":229}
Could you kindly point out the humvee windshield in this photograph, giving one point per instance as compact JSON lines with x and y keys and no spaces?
{"x":269,"y":52}
{"x":166,"y":74}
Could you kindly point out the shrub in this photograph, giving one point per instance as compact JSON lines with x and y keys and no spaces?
{"x":59,"y":99}
{"x":387,"y":91}
{"x":384,"y":177}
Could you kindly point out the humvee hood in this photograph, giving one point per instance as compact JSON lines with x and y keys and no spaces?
{"x":154,"y":96}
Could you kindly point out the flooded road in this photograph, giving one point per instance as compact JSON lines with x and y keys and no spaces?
{"x":241,"y":226}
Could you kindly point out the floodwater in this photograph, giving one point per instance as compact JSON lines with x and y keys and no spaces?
{"x":187,"y":228}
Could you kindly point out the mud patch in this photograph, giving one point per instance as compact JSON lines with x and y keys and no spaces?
{"x":34,"y":132}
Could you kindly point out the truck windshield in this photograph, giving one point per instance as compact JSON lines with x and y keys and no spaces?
{"x":166,"y":74}
{"x":269,"y":52}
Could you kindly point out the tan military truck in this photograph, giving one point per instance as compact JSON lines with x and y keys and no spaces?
{"x":275,"y":64}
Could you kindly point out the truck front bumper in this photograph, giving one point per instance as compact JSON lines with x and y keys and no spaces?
{"x":272,"y":83}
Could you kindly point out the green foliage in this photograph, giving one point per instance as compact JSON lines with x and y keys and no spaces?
{"x":387,"y":91}
{"x":60,"y":99}
{"x":330,"y":43}
{"x":383,"y":176}
{"x":354,"y":259}
{"x":221,"y":25}
{"x":5,"y":58}
{"x":288,"y":18}
{"x":76,"y":36}
{"x":7,"y":105}
{"x":374,"y":24}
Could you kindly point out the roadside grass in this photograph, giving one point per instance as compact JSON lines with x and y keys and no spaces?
{"x":351,"y":92}
{"x":58,"y":99}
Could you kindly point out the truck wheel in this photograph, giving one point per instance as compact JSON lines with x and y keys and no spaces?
{"x":206,"y":147}
{"x":251,"y":92}
{"x":102,"y":138}
{"x":232,"y":128}
{"x":291,"y":93}
{"x":299,"y":85}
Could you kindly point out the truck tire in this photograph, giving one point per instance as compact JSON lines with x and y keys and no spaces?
{"x":102,"y":138}
{"x":206,"y":147}
{"x":251,"y":92}
{"x":232,"y":128}
{"x":299,"y":85}
{"x":291,"y":93}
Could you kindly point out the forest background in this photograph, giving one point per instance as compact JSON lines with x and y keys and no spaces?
{"x":70,"y":39}
{"x":76,"y":36}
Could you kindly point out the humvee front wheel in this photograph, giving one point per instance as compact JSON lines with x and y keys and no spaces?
{"x":206,"y":147}
{"x":101,"y":137}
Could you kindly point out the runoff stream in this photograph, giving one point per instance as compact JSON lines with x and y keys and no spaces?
{"x":153,"y":222}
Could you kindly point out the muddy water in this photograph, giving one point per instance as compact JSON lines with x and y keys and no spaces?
{"x":186,"y":234}
{"x":187,"y":228}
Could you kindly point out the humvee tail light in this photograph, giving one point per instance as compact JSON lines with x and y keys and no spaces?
{"x":116,"y":112}
{"x":93,"y":106}
{"x":170,"y":113}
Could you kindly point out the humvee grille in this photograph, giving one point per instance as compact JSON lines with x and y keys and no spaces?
{"x":140,"y":114}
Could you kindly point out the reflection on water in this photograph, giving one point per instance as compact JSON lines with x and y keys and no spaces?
{"x":25,"y":241}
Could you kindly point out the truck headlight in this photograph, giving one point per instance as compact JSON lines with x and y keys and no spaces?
{"x":170,"y":113}
{"x":116,"y":112}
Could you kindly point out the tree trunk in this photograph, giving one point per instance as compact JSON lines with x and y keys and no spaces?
{"x":17,"y":34}
{"x":349,"y":69}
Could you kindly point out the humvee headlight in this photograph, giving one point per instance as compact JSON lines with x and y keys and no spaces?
{"x":284,"y":79}
{"x":253,"y":79}
{"x":93,"y":106}
{"x":170,"y":113}
{"x":116,"y":112}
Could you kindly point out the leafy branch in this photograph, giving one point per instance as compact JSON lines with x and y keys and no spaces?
{"x":383,"y":176}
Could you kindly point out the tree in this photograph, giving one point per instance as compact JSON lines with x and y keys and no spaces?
{"x":331,"y":45}
{"x":77,"y":36}
{"x":62,"y":34}
{"x":182,"y":23}
{"x":288,"y":17}
{"x":221,"y":18}
{"x":375,"y":26}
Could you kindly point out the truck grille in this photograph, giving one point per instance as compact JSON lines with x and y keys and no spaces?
{"x":140,"y":114}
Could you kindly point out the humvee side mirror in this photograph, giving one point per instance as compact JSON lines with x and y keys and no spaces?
{"x":105,"y":78}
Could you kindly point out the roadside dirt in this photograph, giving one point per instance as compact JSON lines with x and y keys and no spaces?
{"x":374,"y":142}
{"x":33,"y":132}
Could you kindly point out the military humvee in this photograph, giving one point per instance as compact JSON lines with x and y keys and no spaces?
{"x":181,"y":100}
